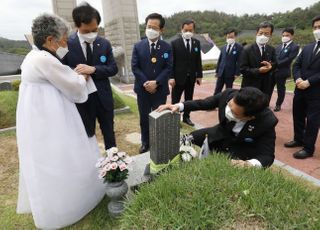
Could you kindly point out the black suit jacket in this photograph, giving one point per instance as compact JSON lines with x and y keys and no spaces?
{"x":250,"y":62}
{"x":257,"y":138}
{"x":284,"y":59}
{"x":307,"y":66}
{"x":185,"y":62}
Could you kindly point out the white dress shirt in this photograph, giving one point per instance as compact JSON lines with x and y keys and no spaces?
{"x":185,"y":43}
{"x":155,"y":43}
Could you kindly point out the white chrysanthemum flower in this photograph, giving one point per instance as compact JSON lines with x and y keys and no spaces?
{"x":186,"y":157}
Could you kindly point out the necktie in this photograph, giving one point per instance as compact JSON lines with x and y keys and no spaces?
{"x":316,"y":49}
{"x":229,"y":48}
{"x":263,"y":55}
{"x":188,"y":45}
{"x":153,"y":50}
{"x":89,"y":54}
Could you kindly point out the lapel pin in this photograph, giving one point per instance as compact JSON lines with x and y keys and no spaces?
{"x":250,"y":128}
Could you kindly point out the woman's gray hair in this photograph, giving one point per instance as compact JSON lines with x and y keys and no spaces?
{"x":48,"y":25}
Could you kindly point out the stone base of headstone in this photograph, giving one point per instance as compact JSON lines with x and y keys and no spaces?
{"x":137,"y":170}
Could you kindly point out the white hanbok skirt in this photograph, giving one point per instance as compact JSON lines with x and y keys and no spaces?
{"x":58,"y":180}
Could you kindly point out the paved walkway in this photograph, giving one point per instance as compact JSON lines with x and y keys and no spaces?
{"x":284,"y":129}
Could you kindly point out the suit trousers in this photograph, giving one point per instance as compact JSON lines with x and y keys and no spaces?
{"x":93,"y":109}
{"x":281,"y":88}
{"x":146,"y":104}
{"x":306,"y":119}
{"x":188,"y":89}
{"x":223,"y":80}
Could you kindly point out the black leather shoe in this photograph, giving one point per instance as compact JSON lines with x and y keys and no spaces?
{"x":277,"y":108}
{"x":188,"y":121}
{"x":144,"y":148}
{"x":302,"y":154}
{"x":292,"y":144}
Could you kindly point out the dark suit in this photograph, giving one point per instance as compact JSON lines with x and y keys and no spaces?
{"x":228,"y":66}
{"x":187,"y":67}
{"x":100,"y":103}
{"x":284,"y":59}
{"x":306,"y":103}
{"x":250,"y":62}
{"x":256,"y":140}
{"x":144,"y":70}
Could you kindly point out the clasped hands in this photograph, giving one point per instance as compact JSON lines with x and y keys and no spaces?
{"x":302,"y":84}
{"x":150,"y":86}
{"x":85,"y":70}
{"x":266,"y":67}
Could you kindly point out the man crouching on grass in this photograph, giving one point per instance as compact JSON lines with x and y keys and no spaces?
{"x":246,"y":129}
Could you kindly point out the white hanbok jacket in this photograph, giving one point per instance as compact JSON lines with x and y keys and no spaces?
{"x":58,"y":180}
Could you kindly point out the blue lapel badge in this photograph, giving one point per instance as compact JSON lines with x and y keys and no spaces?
{"x":165,"y":55}
{"x":248,"y":140}
{"x":234,"y":52}
{"x":196,"y":49}
{"x":285,"y":50}
{"x":103,"y":59}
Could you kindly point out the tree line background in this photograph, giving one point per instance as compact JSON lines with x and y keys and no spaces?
{"x":216,"y":23}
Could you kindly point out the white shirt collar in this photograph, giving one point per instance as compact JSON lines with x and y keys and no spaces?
{"x":150,"y":42}
{"x":288,"y":43}
{"x":80,"y":38}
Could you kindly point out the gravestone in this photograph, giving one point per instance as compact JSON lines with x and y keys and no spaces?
{"x":164,"y":132}
{"x":5,"y":86}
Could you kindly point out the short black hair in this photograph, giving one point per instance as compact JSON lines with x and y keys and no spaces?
{"x":288,"y":30}
{"x":265,"y":24}
{"x":85,"y":13}
{"x":156,"y":16}
{"x":252,"y":100}
{"x":231,"y":30}
{"x":188,"y":22}
{"x":316,"y":18}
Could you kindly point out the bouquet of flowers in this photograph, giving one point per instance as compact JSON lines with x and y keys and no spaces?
{"x":114,"y":167}
{"x":187,"y":152}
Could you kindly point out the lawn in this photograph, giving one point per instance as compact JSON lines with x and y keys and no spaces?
{"x":207,"y":194}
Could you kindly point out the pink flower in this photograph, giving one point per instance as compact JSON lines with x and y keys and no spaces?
{"x":114,"y":166}
{"x":107,"y":167}
{"x":123,"y":166}
{"x":102,"y":173}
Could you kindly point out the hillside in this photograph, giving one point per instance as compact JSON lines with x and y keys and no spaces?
{"x":215,"y":23}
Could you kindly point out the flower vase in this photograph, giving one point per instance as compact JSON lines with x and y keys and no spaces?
{"x":116,"y":192}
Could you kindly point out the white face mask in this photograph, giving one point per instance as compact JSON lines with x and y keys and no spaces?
{"x":262,"y":40}
{"x":285,"y":39}
{"x":316,"y":34}
{"x":89,"y":37}
{"x":230,"y":41}
{"x":152,"y":34}
{"x":62,"y":51}
{"x":187,"y":35}
{"x":229,"y":115}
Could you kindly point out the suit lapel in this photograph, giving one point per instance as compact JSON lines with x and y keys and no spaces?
{"x":257,"y":52}
{"x":78,"y":48}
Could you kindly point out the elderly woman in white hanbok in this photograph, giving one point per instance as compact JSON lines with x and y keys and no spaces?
{"x":58,"y":180}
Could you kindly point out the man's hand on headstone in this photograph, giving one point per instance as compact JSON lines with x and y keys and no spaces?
{"x":85,"y":69}
{"x":174,"y":108}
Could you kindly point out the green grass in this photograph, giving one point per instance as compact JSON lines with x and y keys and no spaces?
{"x":8,"y":105}
{"x":212,"y":194}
